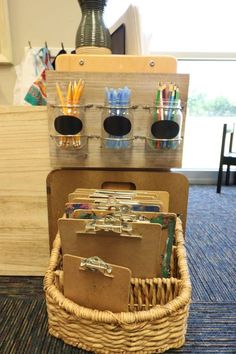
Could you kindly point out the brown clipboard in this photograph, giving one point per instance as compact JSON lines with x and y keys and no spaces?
{"x":140,"y":195}
{"x":140,"y":252}
{"x":116,"y":205}
{"x":148,"y":215}
{"x":106,"y":289}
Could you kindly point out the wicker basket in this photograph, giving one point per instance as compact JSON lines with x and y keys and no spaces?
{"x":156,"y":321}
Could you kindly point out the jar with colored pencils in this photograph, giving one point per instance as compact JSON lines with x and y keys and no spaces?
{"x":117,"y":120}
{"x":165,"y":119}
{"x":67,"y":126}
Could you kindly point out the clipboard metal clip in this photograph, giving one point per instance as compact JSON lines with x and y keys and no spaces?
{"x":113,"y":224}
{"x":109,"y":223}
{"x":96,"y":264}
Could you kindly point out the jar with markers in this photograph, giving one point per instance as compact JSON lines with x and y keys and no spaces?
{"x":117,"y":119}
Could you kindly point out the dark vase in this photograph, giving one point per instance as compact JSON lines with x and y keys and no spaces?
{"x":92,"y":35}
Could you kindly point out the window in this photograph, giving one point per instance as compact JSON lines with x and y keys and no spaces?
{"x":201,"y":35}
{"x":211,"y":103}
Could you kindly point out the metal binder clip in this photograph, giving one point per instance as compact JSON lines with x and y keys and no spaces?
{"x":96,"y":264}
{"x":109,"y":223}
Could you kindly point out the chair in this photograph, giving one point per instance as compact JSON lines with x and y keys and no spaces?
{"x":226,"y":158}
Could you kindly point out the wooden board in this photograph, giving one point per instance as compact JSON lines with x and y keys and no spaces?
{"x":143,"y":86}
{"x":62,"y":182}
{"x":140,"y":252}
{"x":24,"y":165}
{"x":83,"y":286}
{"x":116,"y":63}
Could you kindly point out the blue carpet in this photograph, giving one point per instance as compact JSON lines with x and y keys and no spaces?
{"x":210,"y":241}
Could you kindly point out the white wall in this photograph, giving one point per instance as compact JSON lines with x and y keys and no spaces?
{"x":54,"y":21}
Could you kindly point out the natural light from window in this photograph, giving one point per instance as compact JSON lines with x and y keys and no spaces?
{"x":201,"y":35}
{"x":183,"y":25}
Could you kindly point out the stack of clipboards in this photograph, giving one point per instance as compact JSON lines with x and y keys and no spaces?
{"x":109,"y":236}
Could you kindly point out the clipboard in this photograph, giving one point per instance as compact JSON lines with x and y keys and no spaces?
{"x":139,"y":250}
{"x":95,"y":284}
{"x":122,"y":196}
{"x":128,"y":206}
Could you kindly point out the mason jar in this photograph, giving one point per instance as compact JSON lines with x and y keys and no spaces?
{"x":164,"y":126}
{"x":117,"y":127}
{"x":67,"y":127}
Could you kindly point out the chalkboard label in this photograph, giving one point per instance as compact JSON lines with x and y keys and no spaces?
{"x":165,"y":129}
{"x":117,"y":125}
{"x":68,"y":125}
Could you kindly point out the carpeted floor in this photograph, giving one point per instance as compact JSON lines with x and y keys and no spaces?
{"x":210,"y":241}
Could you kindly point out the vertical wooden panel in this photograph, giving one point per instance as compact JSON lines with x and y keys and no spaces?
{"x":24,"y":165}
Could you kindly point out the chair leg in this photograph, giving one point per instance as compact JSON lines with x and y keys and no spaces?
{"x":219,"y":180}
{"x":227,"y":175}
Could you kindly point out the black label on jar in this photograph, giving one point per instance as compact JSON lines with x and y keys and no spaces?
{"x":68,"y":125}
{"x":165,"y":129}
{"x":117,"y":125}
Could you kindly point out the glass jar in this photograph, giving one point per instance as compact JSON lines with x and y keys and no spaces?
{"x":164,"y":127}
{"x":117,"y":127}
{"x":67,"y":128}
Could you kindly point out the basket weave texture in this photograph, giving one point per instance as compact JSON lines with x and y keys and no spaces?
{"x":156,"y":321}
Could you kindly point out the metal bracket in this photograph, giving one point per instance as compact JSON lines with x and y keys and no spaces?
{"x":100,"y":106}
{"x":109,"y":223}
{"x":82,"y":106}
{"x":96,"y":264}
{"x":118,"y":223}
